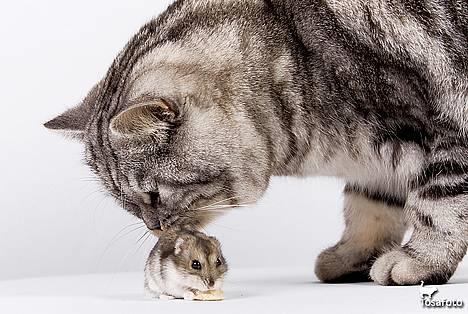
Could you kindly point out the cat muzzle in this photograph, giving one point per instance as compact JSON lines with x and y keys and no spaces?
{"x":150,"y":218}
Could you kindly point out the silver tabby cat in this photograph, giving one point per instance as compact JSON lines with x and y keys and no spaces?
{"x":214,"y":97}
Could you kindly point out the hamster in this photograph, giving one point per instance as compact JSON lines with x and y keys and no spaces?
{"x":184,"y":263}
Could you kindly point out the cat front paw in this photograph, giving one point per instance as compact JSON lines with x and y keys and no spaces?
{"x":398,"y":268}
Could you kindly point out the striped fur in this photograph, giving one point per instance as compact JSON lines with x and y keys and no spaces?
{"x":374,"y":92}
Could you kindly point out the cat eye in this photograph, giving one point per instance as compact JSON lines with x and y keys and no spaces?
{"x":196,"y":265}
{"x":218,"y":262}
{"x":154,"y":197}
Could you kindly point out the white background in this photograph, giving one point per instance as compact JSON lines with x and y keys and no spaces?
{"x":53,"y":219}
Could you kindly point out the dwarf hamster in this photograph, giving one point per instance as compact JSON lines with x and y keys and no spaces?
{"x":182,"y":263}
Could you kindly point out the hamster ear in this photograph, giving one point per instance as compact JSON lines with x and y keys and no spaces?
{"x":149,"y":118}
{"x":178,"y":246}
{"x":73,"y":121}
{"x":215,"y":240}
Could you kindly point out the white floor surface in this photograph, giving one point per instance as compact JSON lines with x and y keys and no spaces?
{"x":247,"y":291}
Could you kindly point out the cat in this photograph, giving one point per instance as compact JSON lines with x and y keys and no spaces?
{"x":212,"y":98}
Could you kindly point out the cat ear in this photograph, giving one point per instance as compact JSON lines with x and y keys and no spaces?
{"x":145,"y":119}
{"x":73,"y":121}
{"x":178,"y":246}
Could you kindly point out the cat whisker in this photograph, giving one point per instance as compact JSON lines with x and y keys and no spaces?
{"x":119,"y":236}
{"x":219,"y":209}
{"x":123,"y":199}
{"x":145,"y":238}
{"x":131,"y":231}
{"x":92,"y":194}
{"x":144,"y":234}
{"x":233,"y":205}
{"x":210,"y":211}
{"x":222,"y":207}
{"x":218,"y":202}
{"x":125,"y":257}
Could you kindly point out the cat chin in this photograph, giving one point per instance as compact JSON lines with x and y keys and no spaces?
{"x":157,"y":233}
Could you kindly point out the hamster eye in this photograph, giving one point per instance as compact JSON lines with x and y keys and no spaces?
{"x":218,"y":262}
{"x":196,"y":265}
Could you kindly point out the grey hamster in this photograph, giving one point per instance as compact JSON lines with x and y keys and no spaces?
{"x":183,"y":263}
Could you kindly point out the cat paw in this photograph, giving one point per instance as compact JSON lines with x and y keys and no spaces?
{"x":398,"y":268}
{"x":337,"y":264}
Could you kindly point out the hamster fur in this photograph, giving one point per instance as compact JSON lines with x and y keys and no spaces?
{"x":182,"y":263}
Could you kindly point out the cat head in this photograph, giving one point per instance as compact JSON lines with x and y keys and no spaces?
{"x":170,"y":158}
{"x":174,"y":144}
{"x":182,"y":125}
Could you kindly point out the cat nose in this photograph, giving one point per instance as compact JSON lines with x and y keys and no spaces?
{"x":150,"y":218}
{"x":155,"y":199}
{"x":153,"y":225}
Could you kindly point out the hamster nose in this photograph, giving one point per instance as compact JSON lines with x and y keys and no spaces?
{"x":211,"y":283}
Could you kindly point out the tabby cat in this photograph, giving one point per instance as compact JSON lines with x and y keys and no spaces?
{"x":212,"y":98}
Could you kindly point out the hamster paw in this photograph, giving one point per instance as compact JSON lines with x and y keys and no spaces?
{"x":189,"y":296}
{"x":398,"y":268}
{"x":166,"y":297}
{"x":151,"y":294}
